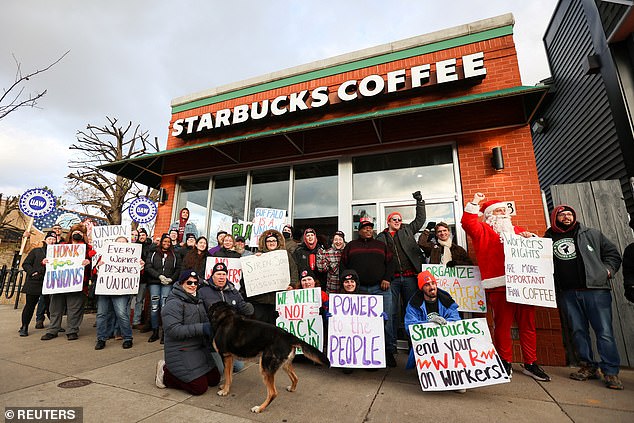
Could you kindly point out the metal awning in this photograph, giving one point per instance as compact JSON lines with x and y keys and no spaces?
{"x":363,"y":131}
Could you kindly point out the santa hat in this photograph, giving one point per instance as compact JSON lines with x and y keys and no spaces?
{"x":487,"y":207}
{"x":424,"y":278}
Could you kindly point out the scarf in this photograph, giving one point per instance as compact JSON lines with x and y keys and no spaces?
{"x":446,"y":252}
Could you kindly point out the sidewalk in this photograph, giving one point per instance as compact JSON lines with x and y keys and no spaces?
{"x":123,"y":390}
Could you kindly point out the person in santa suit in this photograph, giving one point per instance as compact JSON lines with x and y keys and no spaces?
{"x":489,"y":251}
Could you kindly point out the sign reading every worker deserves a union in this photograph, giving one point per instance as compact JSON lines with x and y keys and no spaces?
{"x":298,"y":311}
{"x":528,"y":265}
{"x":119,"y":269}
{"x":355,"y":331}
{"x":64,"y":269}
{"x":458,"y":355}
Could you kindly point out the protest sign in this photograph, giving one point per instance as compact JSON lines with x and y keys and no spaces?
{"x":219,"y":222}
{"x":458,"y":355}
{"x":37,"y":202}
{"x":268,"y":272}
{"x":528,"y":264}
{"x":64,"y":269}
{"x":101,"y":234}
{"x":120,"y":270}
{"x":242,"y":229}
{"x":266,"y":219}
{"x":355,"y":331}
{"x":463,"y":283}
{"x":234,"y":269}
{"x":142,"y":210}
{"x":299,"y":314}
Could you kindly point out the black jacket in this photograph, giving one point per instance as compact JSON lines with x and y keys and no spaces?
{"x":156,"y":266}
{"x":35,"y":270}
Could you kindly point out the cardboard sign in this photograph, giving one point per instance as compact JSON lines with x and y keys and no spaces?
{"x":456,"y":355}
{"x":120,"y":270}
{"x":528,"y":264}
{"x":266,"y":219}
{"x":242,"y":229}
{"x":356,"y":338}
{"x":234,"y":269}
{"x":64,"y":270}
{"x":298,"y":311}
{"x":463,"y":283}
{"x":102,"y":234}
{"x":268,"y":272}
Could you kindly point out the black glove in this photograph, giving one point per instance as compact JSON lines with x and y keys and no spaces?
{"x":430,"y":226}
{"x":451,"y":263}
{"x":629,"y":293}
{"x":417,"y":196}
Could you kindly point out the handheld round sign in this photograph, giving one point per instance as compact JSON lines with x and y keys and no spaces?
{"x":37,"y":202}
{"x":142,"y":210}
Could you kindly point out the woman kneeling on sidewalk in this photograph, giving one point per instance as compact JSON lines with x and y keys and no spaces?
{"x":188,"y":363}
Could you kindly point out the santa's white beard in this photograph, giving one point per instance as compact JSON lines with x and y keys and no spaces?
{"x":501,"y":223}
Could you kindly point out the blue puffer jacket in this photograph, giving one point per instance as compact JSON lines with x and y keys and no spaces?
{"x":187,"y":349}
{"x":417,"y":313}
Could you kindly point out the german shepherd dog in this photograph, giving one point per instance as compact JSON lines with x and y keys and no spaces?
{"x":235,"y":335}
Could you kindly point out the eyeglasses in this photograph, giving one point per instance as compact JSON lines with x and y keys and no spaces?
{"x":569,"y":214}
{"x":271,"y":240}
{"x":396,"y":219}
{"x":191,"y":283}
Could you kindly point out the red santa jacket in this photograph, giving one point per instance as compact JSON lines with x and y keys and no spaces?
{"x":488,"y":247}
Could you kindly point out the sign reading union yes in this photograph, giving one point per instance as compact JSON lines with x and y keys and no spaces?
{"x":418,"y":76}
{"x":456,"y":355}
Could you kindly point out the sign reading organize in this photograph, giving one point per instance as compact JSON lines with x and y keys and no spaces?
{"x":142,"y":210}
{"x":37,"y":202}
{"x":463,"y":283}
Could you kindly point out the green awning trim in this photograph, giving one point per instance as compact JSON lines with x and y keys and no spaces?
{"x":347,"y":67}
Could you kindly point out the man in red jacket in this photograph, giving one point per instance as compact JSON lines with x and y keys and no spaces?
{"x":490,"y":254}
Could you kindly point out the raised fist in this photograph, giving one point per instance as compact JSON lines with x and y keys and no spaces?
{"x":430,"y":226}
{"x":417,"y":196}
{"x":478,"y":197}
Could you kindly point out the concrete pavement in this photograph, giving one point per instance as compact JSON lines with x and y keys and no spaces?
{"x":123,"y":390}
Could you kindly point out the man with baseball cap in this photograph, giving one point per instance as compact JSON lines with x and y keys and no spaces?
{"x":372,"y":260}
{"x":407,"y":258}
{"x":486,"y":237}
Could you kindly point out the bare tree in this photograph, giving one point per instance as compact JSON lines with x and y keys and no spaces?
{"x":96,"y":146}
{"x":8,"y":205}
{"x":13,"y":98}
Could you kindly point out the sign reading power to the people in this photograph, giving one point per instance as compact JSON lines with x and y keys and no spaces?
{"x":142,"y":210}
{"x":37,"y":202}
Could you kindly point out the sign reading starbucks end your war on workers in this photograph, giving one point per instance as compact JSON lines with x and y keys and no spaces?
{"x":528,"y":268}
{"x":458,"y":355}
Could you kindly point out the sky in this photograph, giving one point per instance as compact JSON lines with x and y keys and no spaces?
{"x":129,"y":59}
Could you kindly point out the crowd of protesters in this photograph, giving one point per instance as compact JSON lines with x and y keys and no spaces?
{"x":175,"y":292}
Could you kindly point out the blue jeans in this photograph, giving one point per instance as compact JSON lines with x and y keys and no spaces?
{"x":390,"y":336}
{"x":119,"y":305}
{"x":400,"y":287}
{"x":42,"y":308}
{"x":158,"y":295}
{"x":594,"y":307}
{"x":138,"y":304}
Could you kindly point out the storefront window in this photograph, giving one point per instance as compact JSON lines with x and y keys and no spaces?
{"x":269,"y":189}
{"x":397,"y":175}
{"x":315,"y":198}
{"x":227,"y":203}
{"x":193,"y":195}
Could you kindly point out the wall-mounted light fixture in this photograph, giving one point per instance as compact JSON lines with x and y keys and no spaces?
{"x":497,"y":161}
{"x":162,"y":196}
{"x":592,"y":64}
{"x":539,"y":126}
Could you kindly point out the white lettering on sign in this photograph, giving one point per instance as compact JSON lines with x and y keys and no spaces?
{"x":446,"y":71}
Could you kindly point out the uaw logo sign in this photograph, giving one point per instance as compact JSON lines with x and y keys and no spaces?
{"x":37,"y":202}
{"x":142,"y":210}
